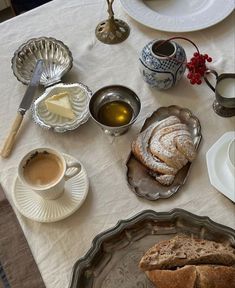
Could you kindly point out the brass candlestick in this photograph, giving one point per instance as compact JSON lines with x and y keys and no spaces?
{"x":112,"y":31}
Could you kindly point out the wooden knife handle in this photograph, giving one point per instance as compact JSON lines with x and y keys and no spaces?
{"x":9,"y":142}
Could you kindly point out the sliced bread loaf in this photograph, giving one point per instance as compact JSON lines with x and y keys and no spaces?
{"x":183,"y":250}
{"x":191,"y":276}
{"x":215,"y":276}
{"x":181,"y":278}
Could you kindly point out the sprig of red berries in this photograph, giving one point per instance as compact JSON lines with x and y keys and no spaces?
{"x":196,"y":65}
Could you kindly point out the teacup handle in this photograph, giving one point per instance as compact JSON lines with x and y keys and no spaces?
{"x":72,"y":164}
{"x":207,"y":81}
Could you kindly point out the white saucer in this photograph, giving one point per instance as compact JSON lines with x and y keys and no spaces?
{"x":38,"y":209}
{"x":221,"y":176}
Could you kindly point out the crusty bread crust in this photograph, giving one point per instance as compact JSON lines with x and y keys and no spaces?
{"x":215,"y":276}
{"x":204,"y":276}
{"x":182,"y":250}
{"x":174,"y":279}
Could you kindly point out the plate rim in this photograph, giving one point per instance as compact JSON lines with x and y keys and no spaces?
{"x":206,"y":221}
{"x":210,"y":157}
{"x":126,"y":4}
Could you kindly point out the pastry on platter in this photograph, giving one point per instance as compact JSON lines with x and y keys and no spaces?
{"x":164,"y":148}
{"x":190,"y":263}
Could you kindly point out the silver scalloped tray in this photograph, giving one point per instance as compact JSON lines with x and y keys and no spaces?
{"x":112,"y":261}
{"x":56,"y":56}
{"x":80,"y":96}
{"x":140,"y":181}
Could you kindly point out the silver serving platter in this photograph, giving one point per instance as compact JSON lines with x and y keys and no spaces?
{"x":140,"y":181}
{"x":55,"y":54}
{"x":112,"y":261}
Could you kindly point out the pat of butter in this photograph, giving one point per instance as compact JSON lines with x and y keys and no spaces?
{"x":59,"y":104}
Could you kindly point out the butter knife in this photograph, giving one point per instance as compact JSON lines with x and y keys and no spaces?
{"x":24,"y":106}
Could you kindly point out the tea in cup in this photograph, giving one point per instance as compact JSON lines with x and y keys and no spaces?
{"x":45,"y":170}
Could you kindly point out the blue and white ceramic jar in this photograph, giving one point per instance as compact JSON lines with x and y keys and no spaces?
{"x":162,"y":63}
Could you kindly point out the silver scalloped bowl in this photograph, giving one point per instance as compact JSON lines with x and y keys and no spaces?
{"x":79,"y":95}
{"x":56,"y":56}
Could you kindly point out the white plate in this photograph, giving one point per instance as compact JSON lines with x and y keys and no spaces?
{"x":79,"y":96}
{"x":38,"y":209}
{"x":220,"y":174}
{"x":178,"y":15}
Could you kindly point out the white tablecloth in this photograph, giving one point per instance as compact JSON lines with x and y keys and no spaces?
{"x":56,"y":246}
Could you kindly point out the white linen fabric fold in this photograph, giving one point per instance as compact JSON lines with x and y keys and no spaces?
{"x":56,"y":246}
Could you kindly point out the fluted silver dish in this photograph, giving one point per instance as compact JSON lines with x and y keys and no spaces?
{"x":79,"y":95}
{"x":56,"y":56}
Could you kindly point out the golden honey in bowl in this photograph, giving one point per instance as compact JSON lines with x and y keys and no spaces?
{"x":115,"y":113}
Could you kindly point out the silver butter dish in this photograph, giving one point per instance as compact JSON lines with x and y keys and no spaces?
{"x":79,"y":96}
{"x":55,"y":54}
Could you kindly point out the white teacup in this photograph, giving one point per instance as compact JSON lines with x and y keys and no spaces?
{"x":45,"y":170}
{"x":231,"y":156}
